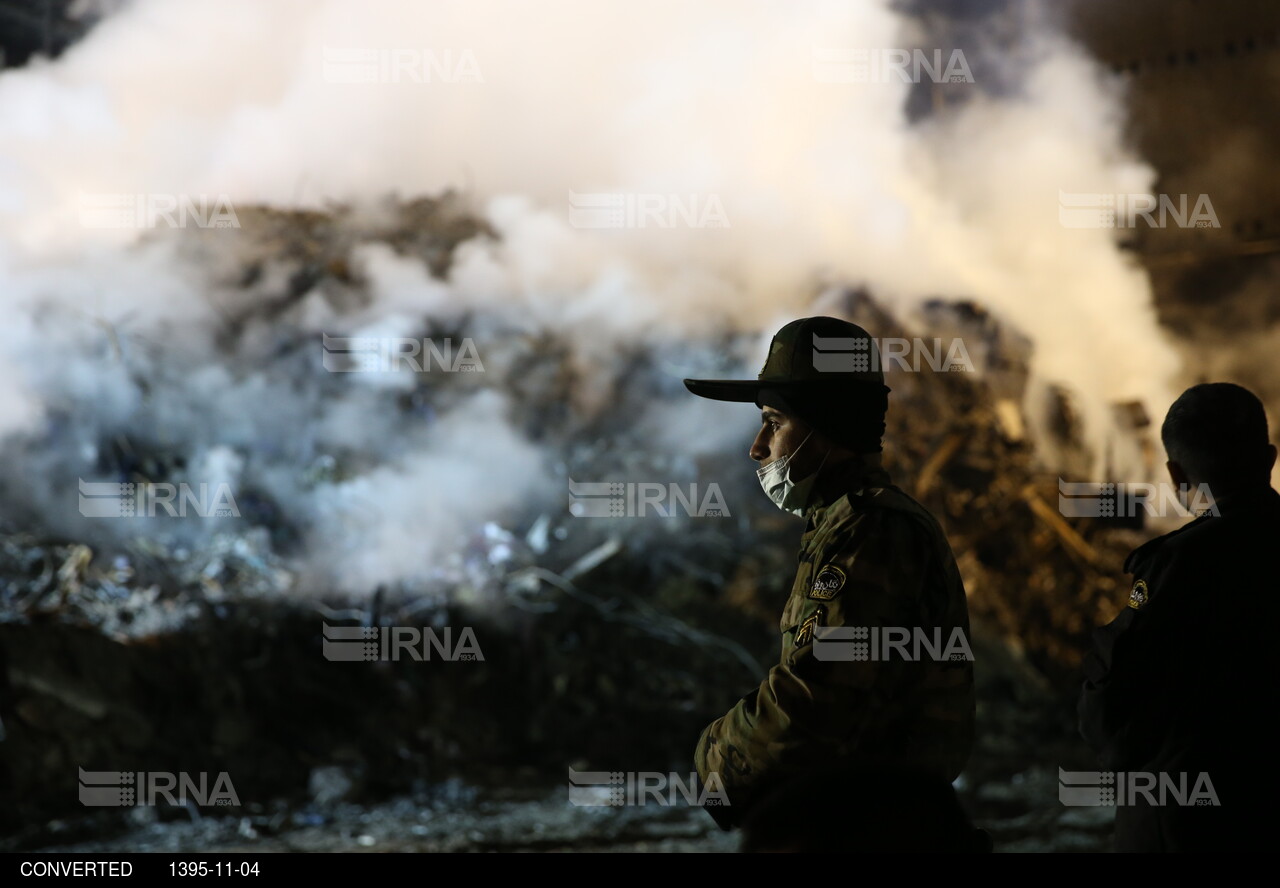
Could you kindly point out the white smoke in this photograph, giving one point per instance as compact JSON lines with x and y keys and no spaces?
{"x":716,"y":101}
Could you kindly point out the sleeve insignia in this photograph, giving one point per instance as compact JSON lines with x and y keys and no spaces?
{"x":828,"y":583}
{"x":804,"y":635}
{"x":1140,"y":595}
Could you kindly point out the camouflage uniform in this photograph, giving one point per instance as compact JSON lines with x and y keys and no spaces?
{"x":870,"y":557}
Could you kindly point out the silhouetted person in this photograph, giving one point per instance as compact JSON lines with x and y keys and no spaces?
{"x":872,"y":560}
{"x":1184,"y":682}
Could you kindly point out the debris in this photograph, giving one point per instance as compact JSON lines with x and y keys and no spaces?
{"x":589,"y":628}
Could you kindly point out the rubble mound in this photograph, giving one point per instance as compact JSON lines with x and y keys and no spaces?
{"x":605,"y":644}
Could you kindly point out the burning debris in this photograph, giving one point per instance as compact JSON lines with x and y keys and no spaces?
{"x":554,"y":598}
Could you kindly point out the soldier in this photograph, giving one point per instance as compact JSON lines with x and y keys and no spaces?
{"x":1180,"y":692}
{"x":871,"y":560}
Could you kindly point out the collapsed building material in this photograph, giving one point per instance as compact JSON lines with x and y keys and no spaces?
{"x":209,"y":648}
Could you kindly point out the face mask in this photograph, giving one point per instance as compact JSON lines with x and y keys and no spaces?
{"x":775,"y":479}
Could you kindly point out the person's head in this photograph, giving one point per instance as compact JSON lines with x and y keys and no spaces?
{"x":786,"y":430}
{"x":783,"y":434}
{"x":1216,"y":434}
{"x":821,"y":394}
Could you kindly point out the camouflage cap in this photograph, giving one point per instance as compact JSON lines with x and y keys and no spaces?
{"x":807,"y":353}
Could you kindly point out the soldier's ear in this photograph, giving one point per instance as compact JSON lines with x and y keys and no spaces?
{"x":1177,"y":474}
{"x":1271,"y":457}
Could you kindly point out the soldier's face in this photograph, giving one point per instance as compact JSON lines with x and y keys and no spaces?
{"x":781,"y":435}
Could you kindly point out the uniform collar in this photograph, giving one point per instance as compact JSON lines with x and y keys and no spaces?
{"x":862,"y":471}
{"x":1248,"y":501}
{"x":1253,"y":501}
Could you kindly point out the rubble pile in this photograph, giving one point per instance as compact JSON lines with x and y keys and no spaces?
{"x":606,"y":643}
{"x":1040,"y":581}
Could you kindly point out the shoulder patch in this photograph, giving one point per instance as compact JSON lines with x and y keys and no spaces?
{"x":1139,"y":595}
{"x":828,"y":583}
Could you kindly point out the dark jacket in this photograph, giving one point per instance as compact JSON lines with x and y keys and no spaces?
{"x":1184,"y":682}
